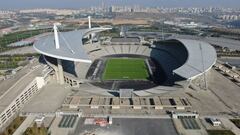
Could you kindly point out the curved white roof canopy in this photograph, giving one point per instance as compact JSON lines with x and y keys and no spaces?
{"x":70,"y":45}
{"x":201,"y":57}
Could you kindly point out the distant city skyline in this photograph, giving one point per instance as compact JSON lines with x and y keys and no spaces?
{"x":24,"y":4}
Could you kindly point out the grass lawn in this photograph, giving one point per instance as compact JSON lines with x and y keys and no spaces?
{"x":125,"y":69}
{"x":18,"y":36}
{"x":13,"y":126}
{"x":220,"y":132}
{"x":36,"y":130}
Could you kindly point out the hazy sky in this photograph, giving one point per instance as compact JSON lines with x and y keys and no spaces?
{"x":20,"y":4}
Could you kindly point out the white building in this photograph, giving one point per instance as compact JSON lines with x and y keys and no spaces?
{"x":215,"y":122}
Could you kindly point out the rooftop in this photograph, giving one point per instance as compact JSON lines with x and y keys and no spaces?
{"x":18,"y":87}
{"x":201,"y":57}
{"x":71,"y":46}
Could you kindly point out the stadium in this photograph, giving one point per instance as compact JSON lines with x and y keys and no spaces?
{"x":121,"y":63}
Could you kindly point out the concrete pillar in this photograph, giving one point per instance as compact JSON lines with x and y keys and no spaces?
{"x":56,"y":74}
{"x":60,"y":72}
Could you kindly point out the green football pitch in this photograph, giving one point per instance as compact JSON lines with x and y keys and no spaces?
{"x":125,"y":69}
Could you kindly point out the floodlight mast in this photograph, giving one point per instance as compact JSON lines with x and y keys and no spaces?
{"x":56,"y":38}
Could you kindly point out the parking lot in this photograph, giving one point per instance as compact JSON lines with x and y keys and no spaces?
{"x":129,"y":126}
{"x":67,"y":121}
{"x":189,"y":123}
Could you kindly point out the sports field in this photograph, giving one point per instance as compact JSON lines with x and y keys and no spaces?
{"x":125,"y":69}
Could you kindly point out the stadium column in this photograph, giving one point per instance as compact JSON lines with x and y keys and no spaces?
{"x":56,"y":74}
{"x":60,"y":71}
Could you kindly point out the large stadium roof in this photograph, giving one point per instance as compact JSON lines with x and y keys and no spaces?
{"x":201,"y":57}
{"x":70,"y":45}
